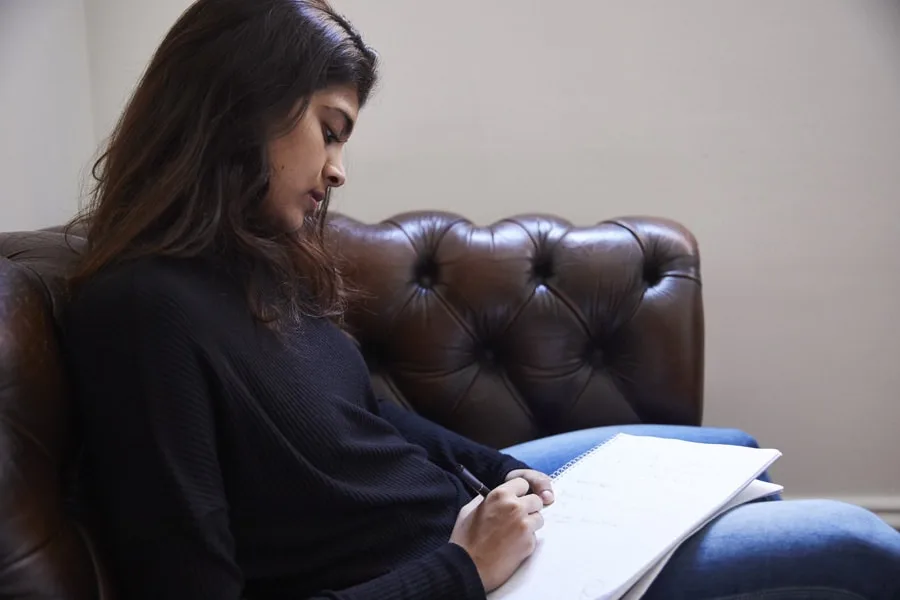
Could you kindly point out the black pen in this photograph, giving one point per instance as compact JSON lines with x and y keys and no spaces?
{"x":472,"y":481}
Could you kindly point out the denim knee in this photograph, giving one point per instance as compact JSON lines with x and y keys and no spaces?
{"x":792,"y":550}
{"x":737,"y":437}
{"x":857,"y":537}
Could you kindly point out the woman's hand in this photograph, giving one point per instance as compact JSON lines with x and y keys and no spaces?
{"x":498,"y":531}
{"x":540,"y":483}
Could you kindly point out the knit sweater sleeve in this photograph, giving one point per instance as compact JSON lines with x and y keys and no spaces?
{"x":448,"y":448}
{"x":144,"y":384}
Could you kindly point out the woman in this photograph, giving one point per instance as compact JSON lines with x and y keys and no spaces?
{"x":233,"y":446}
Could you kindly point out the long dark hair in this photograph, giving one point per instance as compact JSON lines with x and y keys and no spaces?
{"x":186,"y":171}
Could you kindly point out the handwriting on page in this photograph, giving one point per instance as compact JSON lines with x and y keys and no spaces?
{"x":611,"y":497}
{"x":620,"y":509}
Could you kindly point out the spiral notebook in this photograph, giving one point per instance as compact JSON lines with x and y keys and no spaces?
{"x":624,"y":508}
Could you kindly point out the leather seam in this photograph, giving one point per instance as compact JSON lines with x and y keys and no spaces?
{"x":643,"y":248}
{"x":580,"y":396}
{"x":469,"y":386}
{"x":563,"y":298}
{"x":437,"y":294}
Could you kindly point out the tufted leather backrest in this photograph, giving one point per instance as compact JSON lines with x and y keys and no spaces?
{"x":528,"y":327}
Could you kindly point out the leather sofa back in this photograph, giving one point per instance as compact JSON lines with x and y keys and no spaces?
{"x":530,"y":326}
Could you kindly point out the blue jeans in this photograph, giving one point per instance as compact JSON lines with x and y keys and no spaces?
{"x":784,"y":550}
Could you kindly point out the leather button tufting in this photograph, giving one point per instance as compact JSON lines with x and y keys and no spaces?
{"x":426,"y":273}
{"x":652,"y":274}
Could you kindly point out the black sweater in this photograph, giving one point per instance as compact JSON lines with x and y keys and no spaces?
{"x":223,"y":461}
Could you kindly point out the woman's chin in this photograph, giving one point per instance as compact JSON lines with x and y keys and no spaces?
{"x":293,"y":223}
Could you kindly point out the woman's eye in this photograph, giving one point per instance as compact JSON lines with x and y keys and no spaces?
{"x":330,"y":137}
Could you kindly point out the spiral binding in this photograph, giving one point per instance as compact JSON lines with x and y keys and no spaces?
{"x":562,"y":470}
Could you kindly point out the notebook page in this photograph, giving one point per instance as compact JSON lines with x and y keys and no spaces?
{"x":621,"y":508}
{"x":756,"y":490}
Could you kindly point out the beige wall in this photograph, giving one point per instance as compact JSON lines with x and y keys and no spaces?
{"x":772,"y":129}
{"x":122,"y":36}
{"x":46,"y":130}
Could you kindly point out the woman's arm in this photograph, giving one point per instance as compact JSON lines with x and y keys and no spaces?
{"x":447,"y":448}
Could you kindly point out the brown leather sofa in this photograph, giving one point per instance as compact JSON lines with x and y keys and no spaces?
{"x":506,"y":333}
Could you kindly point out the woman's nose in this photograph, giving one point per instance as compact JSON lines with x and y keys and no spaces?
{"x":334,"y":174}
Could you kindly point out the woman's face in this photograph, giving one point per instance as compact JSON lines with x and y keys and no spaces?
{"x":308,"y":160}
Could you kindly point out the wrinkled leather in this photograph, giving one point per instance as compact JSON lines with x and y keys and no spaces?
{"x":528,"y":327}
{"x":44,"y":553}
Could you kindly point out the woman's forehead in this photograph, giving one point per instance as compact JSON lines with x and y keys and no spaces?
{"x":342,"y":97}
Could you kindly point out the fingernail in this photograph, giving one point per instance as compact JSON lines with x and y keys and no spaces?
{"x":547,"y":495}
